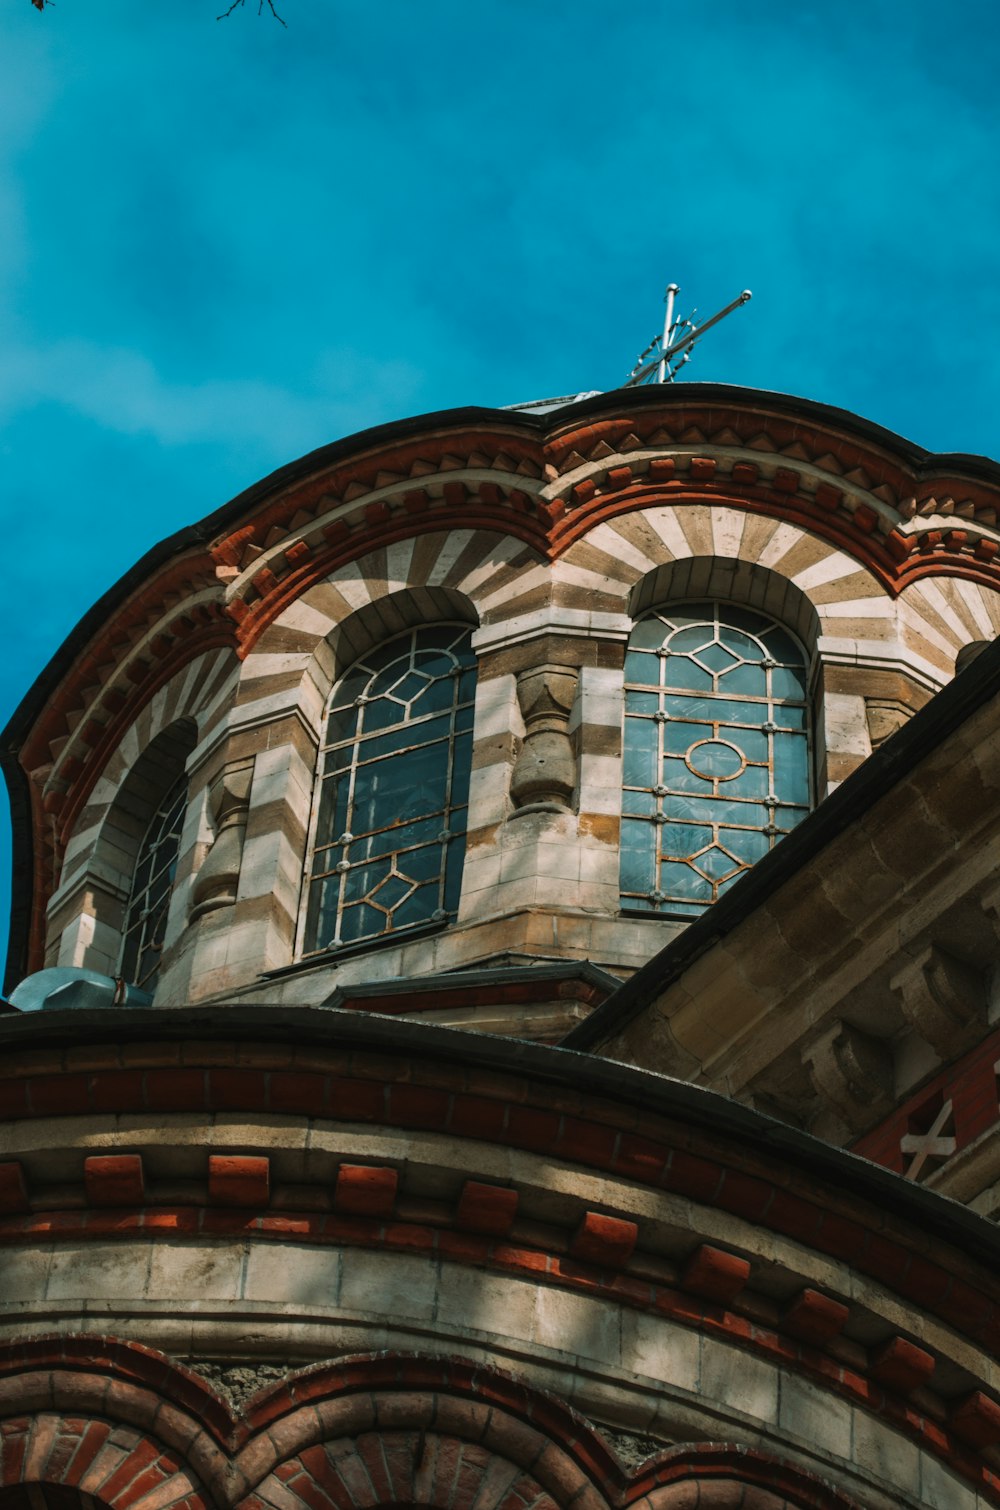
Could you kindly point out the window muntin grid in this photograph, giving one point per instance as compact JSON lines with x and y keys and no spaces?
{"x":152,"y":884}
{"x":390,"y":822}
{"x":716,"y":753}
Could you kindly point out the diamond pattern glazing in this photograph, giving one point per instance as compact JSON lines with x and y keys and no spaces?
{"x":716,"y":752}
{"x":390,"y":819}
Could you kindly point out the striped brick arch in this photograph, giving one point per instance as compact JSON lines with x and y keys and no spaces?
{"x":90,"y":1423}
{"x":464,"y":574}
{"x":935,"y":617}
{"x":200,"y":693}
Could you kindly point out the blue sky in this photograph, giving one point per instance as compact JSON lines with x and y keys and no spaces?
{"x":225,"y":243}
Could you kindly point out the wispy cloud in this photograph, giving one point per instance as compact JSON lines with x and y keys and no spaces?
{"x":123,"y":392}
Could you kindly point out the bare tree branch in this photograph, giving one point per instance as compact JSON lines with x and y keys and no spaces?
{"x":236,"y":5}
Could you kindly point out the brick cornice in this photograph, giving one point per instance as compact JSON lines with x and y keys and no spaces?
{"x":715,"y":1291}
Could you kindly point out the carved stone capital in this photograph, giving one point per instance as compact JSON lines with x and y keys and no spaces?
{"x":217,"y":881}
{"x":853,"y":1072}
{"x":544,"y":775}
{"x":942,"y":998}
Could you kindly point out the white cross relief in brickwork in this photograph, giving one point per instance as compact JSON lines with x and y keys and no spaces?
{"x":932,"y":1144}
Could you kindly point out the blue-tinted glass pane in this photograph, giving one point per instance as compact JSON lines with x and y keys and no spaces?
{"x":343,"y":725}
{"x":322,"y":912}
{"x":787,"y":716}
{"x":785,"y":818}
{"x":353,"y":684}
{"x":788,"y":681}
{"x":648,"y":634}
{"x":360,"y":922}
{"x":715,"y":758}
{"x":338,"y":760}
{"x":752,"y":783}
{"x":740,"y":644}
{"x":638,"y":851}
{"x":679,"y":880}
{"x":143,"y":871}
{"x":434,"y":663}
{"x":392,"y":891}
{"x":691,"y":613}
{"x":718,"y":659}
{"x":687,"y":809}
{"x":679,"y":779}
{"x":754,"y":814}
{"x":453,"y":873}
{"x":751,"y":741}
{"x":749,"y":681}
{"x":745,"y":843}
{"x":332,"y":819}
{"x":679,"y":840}
{"x":753,"y":624}
{"x":361,"y":881}
{"x":644,"y":669}
{"x":405,"y":737}
{"x":427,"y":774}
{"x":782,"y":647}
{"x":791,"y":768}
{"x":418,"y":908}
{"x":378,"y":788}
{"x":680,"y":672}
{"x":461,"y":771}
{"x":435,"y":696}
{"x":639,"y":766}
{"x":716,"y":864}
{"x":388,"y":841}
{"x":726,"y":710}
{"x":421,"y":864}
{"x":641,"y":702}
{"x":638,"y":804}
{"x":679,"y":737}
{"x":381,"y":713}
{"x":409,"y":686}
{"x":389,"y":674}
{"x":467,"y":686}
{"x":695,"y":638}
{"x":464,"y":718}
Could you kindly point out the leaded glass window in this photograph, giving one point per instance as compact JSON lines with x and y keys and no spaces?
{"x":394,"y":788}
{"x":716,"y":752}
{"x":152,"y":885}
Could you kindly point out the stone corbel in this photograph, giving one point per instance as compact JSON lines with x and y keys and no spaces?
{"x":942,"y":998}
{"x":884,"y":717}
{"x":853,"y":1072}
{"x":544,"y":775}
{"x":229,"y":803}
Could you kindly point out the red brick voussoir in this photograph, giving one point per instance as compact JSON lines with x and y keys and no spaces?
{"x":136,"y":1431}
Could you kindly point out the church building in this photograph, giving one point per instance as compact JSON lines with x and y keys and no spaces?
{"x":502,"y":1008}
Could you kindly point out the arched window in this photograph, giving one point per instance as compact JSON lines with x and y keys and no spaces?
{"x":394,"y":785}
{"x":716,"y":753}
{"x":152,"y":885}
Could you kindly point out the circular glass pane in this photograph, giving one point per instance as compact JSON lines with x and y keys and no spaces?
{"x":713,"y":757}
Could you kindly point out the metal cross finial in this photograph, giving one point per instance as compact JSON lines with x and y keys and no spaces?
{"x":666,"y":354}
